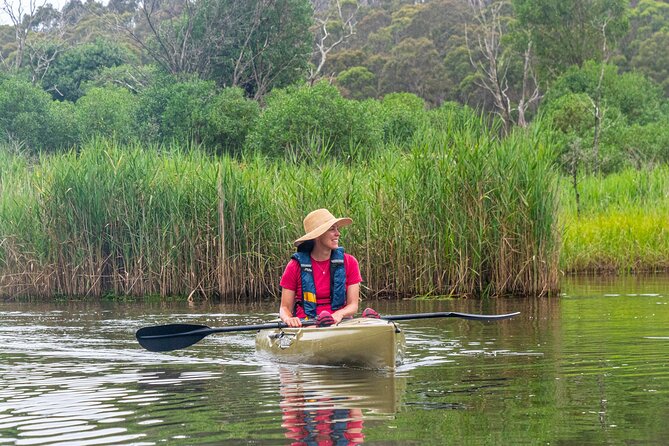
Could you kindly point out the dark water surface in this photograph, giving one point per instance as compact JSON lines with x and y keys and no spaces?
{"x":590,"y":367}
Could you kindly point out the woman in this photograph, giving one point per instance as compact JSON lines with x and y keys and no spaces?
{"x":320,"y":281}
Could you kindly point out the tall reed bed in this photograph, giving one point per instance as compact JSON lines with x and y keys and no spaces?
{"x":461,"y":213}
{"x":623,"y":223}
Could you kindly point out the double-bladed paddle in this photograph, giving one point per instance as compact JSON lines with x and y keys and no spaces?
{"x":164,"y":338}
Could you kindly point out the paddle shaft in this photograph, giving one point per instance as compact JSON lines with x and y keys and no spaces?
{"x":472,"y":317}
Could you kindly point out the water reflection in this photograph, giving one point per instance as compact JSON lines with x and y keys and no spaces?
{"x":329,"y":405}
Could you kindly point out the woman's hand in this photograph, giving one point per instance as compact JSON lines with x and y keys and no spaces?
{"x":337,"y":316}
{"x":293,"y":321}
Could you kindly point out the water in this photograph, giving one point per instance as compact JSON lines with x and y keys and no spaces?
{"x":588,"y":368}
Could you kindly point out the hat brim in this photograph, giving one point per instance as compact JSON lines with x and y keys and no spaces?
{"x":320,"y":230}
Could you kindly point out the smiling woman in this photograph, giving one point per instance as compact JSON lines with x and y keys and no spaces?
{"x":320,"y":281}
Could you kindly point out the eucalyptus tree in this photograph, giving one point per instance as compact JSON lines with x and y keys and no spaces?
{"x":503,"y":60}
{"x":23,"y":17}
{"x":570,"y":32}
{"x":333,"y":27}
{"x":252,"y":44}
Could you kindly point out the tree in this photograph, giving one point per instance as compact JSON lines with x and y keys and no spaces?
{"x":333,"y":28}
{"x":163,"y":30}
{"x":569,"y":32}
{"x":255,"y":45}
{"x":652,"y":59}
{"x":415,"y":67}
{"x":23,"y":21}
{"x":80,"y":64}
{"x":496,"y":64}
{"x":264,"y":44}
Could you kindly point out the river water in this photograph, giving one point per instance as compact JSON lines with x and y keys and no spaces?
{"x":589,"y":367}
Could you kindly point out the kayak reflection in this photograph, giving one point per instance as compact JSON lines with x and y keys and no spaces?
{"x":325,"y":405}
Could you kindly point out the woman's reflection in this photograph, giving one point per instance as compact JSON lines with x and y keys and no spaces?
{"x":323,"y":406}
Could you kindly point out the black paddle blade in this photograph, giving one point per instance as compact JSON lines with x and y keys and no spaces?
{"x":165,"y":338}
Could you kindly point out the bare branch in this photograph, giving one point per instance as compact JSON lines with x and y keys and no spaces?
{"x":324,"y":45}
{"x":22,"y":21}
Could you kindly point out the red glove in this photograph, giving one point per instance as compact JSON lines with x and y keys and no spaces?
{"x":324,"y":319}
{"x":369,"y":312}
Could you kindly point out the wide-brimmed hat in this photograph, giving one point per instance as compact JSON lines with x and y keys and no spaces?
{"x":319,"y":221}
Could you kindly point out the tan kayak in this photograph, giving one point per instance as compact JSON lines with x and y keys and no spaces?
{"x":362,"y":342}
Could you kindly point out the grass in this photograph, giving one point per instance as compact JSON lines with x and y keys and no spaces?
{"x":622,"y":226}
{"x":461,"y":213}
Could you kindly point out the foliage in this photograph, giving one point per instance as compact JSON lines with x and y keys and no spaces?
{"x":23,"y":120}
{"x":256,"y":45}
{"x":631,"y":105}
{"x":403,"y":115}
{"x":66,"y":129}
{"x":305,"y":121}
{"x":642,"y":47}
{"x":70,"y":70}
{"x":174,"y":110}
{"x":107,"y":112}
{"x":410,"y":69}
{"x":229,"y":118}
{"x":570,"y":32}
{"x":357,"y":83}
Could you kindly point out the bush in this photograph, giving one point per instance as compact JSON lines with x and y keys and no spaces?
{"x":229,"y":118}
{"x":23,"y":120}
{"x":305,"y":121}
{"x":173,"y":110}
{"x":357,"y":83}
{"x":67,"y":75}
{"x":65,"y":127}
{"x":108,"y":112}
{"x":403,"y":114}
{"x":638,"y":98}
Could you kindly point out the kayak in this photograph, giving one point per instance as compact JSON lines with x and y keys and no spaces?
{"x":362,"y":342}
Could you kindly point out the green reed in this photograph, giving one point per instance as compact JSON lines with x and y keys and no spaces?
{"x":461,"y":213}
{"x":623,"y":223}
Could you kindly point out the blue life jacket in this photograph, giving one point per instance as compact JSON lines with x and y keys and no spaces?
{"x":337,"y":282}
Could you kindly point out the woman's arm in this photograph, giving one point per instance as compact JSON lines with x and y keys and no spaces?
{"x":286,"y":309}
{"x":351,"y":307}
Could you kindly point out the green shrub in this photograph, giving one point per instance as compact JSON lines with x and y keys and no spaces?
{"x":229,"y":117}
{"x":65,"y":127}
{"x":23,"y":117}
{"x":107,"y":112}
{"x":403,"y":114}
{"x":69,"y":72}
{"x":172,"y":110}
{"x":305,"y":121}
{"x":357,"y":83}
{"x":638,"y":98}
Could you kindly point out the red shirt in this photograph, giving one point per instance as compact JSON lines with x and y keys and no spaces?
{"x":290,"y":280}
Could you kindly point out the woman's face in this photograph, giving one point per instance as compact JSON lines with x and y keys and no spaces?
{"x":330,"y":239}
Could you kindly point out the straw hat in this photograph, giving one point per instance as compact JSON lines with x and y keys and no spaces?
{"x":319,"y":221}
